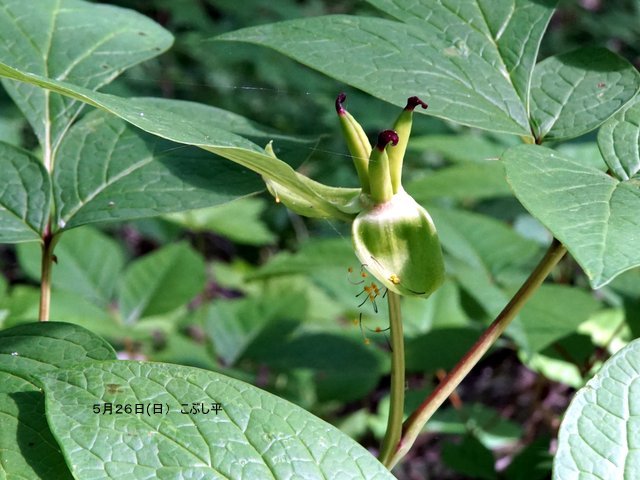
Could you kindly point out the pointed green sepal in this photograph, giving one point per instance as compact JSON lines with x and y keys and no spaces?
{"x":397,"y":243}
{"x":403,"y":128}
{"x":357,"y":142}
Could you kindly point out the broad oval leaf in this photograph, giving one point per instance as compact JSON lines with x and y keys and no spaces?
{"x":573,"y":93}
{"x":591,"y":213}
{"x":160,"y":282}
{"x":255,"y":435}
{"x":25,"y":195}
{"x":598,"y":437}
{"x":619,"y":141}
{"x":458,"y":55}
{"x":27,"y":350}
{"x":108,"y":170}
{"x":84,"y":43}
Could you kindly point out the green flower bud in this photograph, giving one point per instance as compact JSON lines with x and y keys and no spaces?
{"x":403,"y":128}
{"x":397,"y":243}
{"x":357,"y":142}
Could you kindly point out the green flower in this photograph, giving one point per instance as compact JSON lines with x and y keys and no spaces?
{"x":393,"y":236}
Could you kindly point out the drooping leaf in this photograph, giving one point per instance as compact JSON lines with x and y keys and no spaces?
{"x":598,"y":437}
{"x":84,"y":43}
{"x":108,"y":170}
{"x":191,"y":126}
{"x":472,"y":76}
{"x":29,"y":450}
{"x":591,"y":213}
{"x":160,"y":282}
{"x":25,"y":195}
{"x":254,"y":435}
{"x":573,"y":93}
{"x":619,"y":141}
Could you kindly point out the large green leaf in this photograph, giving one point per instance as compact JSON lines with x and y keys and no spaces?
{"x":195,"y":124}
{"x":255,"y":436}
{"x":27,"y":448}
{"x":591,"y":213}
{"x":619,"y":141}
{"x":84,"y":43}
{"x":24,"y":195}
{"x":599,"y":434}
{"x":573,"y":93}
{"x":108,"y":170}
{"x":161,"y":282}
{"x":471,"y":61}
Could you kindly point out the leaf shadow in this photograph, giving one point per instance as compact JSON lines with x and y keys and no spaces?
{"x":34,"y":439}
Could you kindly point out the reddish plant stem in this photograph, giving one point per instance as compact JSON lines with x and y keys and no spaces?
{"x":48,"y":244}
{"x":415,"y":423}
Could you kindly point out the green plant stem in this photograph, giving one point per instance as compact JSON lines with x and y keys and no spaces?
{"x":48,"y":244}
{"x":396,"y":408}
{"x":414,"y":424}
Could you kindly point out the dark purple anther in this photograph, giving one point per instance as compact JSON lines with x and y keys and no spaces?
{"x":413,"y":102}
{"x":339,"y":101}
{"x":385,"y":137}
